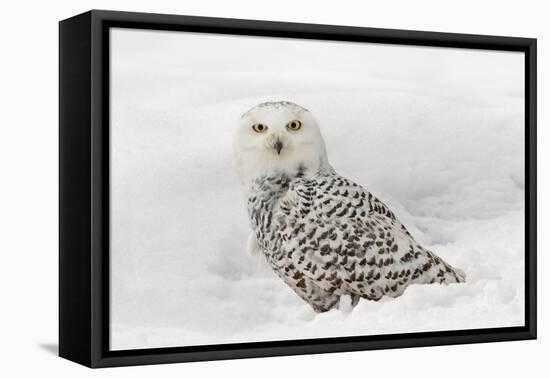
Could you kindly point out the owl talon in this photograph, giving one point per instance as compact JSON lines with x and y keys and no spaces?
{"x":345,"y":304}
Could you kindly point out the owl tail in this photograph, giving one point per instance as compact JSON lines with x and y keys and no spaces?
{"x":446,"y":274}
{"x":432,"y":269}
{"x":461,"y":275}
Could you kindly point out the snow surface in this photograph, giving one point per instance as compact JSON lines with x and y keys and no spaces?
{"x":437,"y":134}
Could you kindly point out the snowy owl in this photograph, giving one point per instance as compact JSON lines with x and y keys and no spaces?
{"x":325,"y":236}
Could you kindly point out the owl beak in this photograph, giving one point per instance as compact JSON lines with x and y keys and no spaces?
{"x":278,"y":146}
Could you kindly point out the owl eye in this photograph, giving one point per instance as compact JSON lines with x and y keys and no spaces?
{"x":259,"y":127}
{"x":294,"y":125}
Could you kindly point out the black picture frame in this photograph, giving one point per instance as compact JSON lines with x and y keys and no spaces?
{"x":84,"y":188}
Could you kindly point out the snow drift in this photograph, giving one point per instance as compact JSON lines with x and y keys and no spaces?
{"x":437,"y":134}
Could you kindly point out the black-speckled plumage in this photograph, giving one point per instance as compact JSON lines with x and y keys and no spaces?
{"x":326,"y":236}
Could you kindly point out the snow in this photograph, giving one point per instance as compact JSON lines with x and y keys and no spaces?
{"x":435,"y":133}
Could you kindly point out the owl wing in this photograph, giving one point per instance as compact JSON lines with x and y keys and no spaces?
{"x":347,"y":241}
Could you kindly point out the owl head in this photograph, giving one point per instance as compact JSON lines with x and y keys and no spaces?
{"x":277,"y":137}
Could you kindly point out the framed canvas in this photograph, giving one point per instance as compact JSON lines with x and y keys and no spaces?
{"x":237,"y":188}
